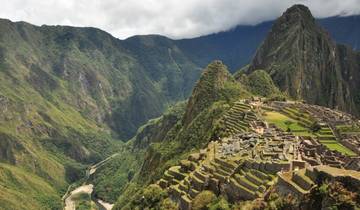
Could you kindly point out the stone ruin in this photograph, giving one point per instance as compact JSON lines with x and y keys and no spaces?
{"x":245,"y":164}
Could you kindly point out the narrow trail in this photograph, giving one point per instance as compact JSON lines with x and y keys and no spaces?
{"x":86,"y":188}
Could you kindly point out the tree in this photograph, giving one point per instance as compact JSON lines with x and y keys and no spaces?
{"x":288,"y":123}
{"x":315,"y":127}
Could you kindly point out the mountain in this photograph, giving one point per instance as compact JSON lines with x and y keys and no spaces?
{"x":167,"y":140}
{"x":345,"y":30}
{"x":69,"y":95}
{"x":234,"y":47}
{"x":306,"y":63}
{"x":237,"y":46}
{"x":239,"y":152}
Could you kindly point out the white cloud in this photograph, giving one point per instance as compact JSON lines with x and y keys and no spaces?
{"x":173,"y":18}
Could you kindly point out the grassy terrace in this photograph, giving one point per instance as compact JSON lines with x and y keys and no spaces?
{"x":327,"y":138}
{"x":348,"y":129}
{"x":334,"y":145}
{"x":301,"y":117}
{"x":284,"y":122}
{"x":325,"y":135}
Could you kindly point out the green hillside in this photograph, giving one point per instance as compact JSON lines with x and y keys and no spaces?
{"x":175,"y":138}
{"x":68,"y":96}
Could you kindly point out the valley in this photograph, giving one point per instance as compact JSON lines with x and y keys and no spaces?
{"x":72,"y":198}
{"x":89,"y":121}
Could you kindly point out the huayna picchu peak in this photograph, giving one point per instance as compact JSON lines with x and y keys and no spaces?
{"x":306,"y":63}
{"x":261,"y":116}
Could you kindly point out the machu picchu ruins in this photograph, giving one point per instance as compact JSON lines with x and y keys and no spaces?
{"x":268,"y":146}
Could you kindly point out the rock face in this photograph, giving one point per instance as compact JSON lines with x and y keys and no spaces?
{"x":307,"y":64}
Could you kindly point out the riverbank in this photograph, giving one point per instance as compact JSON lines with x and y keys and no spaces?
{"x":70,"y":198}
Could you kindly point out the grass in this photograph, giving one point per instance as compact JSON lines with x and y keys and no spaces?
{"x":280,"y":121}
{"x":334,"y":145}
{"x":300,"y":116}
{"x":20,"y":189}
{"x":83,"y":202}
{"x":348,"y":128}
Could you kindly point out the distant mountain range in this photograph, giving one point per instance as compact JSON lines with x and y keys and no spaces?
{"x":69,"y":95}
{"x":236,"y":47}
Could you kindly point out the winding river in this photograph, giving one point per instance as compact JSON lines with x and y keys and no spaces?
{"x":87,"y":188}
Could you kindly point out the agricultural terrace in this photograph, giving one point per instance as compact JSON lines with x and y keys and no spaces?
{"x":286,"y":123}
{"x":327,"y":138}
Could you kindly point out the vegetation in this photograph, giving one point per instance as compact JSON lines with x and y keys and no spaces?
{"x":203,"y":200}
{"x":68,"y":95}
{"x":348,"y":128}
{"x":219,"y":203}
{"x":273,"y":201}
{"x":187,"y":134}
{"x":260,"y":83}
{"x":21,"y":185}
{"x":151,"y":197}
{"x":215,"y":84}
{"x":286,"y":124}
{"x":335,"y":145}
{"x":333,"y":195}
{"x":301,"y":79}
{"x":83,"y":202}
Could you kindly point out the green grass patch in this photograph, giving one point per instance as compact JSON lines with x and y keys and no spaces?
{"x":348,"y":128}
{"x":282,"y":122}
{"x":334,"y":145}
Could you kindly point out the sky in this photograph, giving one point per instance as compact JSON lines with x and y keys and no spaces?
{"x":173,"y":18}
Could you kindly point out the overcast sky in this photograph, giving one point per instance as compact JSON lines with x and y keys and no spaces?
{"x":173,"y":18}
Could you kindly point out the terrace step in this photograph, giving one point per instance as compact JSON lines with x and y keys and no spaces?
{"x":208,"y":168}
{"x":302,"y":180}
{"x":200,"y":175}
{"x":254,"y":179}
{"x":242,"y":188}
{"x":260,"y":175}
{"x":197,"y":183}
{"x":175,"y":191}
{"x":174,"y":171}
{"x":231,"y":165}
{"x":219,"y":177}
{"x":174,"y":181}
{"x":168,"y":176}
{"x":185,"y":202}
{"x":163,"y":183}
{"x":183,"y":187}
{"x":193,"y":193}
{"x":245,"y":182}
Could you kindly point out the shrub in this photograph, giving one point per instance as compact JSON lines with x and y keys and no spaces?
{"x":315,"y":127}
{"x":219,"y":204}
{"x":203,"y":199}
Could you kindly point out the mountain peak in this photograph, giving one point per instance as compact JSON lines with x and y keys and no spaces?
{"x":298,"y":9}
{"x":297,"y":15}
{"x":303,"y":60}
{"x":207,"y":89}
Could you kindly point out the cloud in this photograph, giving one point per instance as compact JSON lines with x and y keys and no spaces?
{"x":173,"y":18}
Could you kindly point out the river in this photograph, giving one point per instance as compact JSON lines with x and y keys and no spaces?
{"x":87,"y":188}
